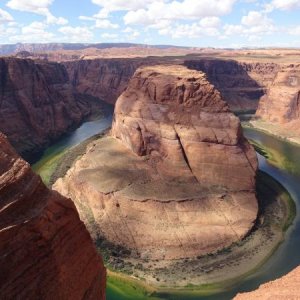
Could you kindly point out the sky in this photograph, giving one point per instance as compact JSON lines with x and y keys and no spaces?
{"x":195,"y":23}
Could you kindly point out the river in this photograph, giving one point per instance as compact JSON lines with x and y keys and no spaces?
{"x":284,"y":167}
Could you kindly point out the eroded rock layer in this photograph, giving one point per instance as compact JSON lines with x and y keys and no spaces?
{"x":281,"y":104}
{"x":241,"y":84}
{"x":37,"y":103}
{"x":177,"y":177}
{"x":45,"y":250}
{"x":102,"y":78}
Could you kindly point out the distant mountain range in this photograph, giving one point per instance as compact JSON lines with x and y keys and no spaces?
{"x":36,"y":48}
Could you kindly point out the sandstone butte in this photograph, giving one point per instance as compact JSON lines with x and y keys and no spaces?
{"x":284,"y":288}
{"x":176,"y":178}
{"x":45,"y":250}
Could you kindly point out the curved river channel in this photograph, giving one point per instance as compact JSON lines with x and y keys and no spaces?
{"x":284,"y":166}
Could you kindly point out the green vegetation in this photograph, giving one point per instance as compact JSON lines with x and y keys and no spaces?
{"x":48,"y":164}
{"x":127,"y":288}
{"x":56,"y":161}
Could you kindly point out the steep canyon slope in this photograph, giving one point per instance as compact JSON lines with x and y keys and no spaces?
{"x":176,"y":178}
{"x":241,"y":84}
{"x":38,"y":104}
{"x":281,"y":104}
{"x":45,"y":250}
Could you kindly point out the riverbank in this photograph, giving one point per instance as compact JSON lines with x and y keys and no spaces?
{"x":276,"y":130}
{"x":207,"y":274}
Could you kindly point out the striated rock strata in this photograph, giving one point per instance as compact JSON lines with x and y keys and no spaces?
{"x":102,"y":78}
{"x":176,"y":178}
{"x":45,"y":250}
{"x":241,"y":84}
{"x":285,"y":288}
{"x":37,"y":103}
{"x":281,"y":104}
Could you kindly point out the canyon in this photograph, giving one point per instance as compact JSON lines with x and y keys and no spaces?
{"x":38,"y":98}
{"x":46,"y":251}
{"x":143,"y":184}
{"x":57,"y":97}
{"x":146,"y":173}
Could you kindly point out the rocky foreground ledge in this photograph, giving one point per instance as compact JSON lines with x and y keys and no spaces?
{"x":284,"y":288}
{"x":176,"y":179}
{"x":45,"y":250}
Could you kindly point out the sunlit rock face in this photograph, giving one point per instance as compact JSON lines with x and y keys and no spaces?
{"x":284,"y":288}
{"x":176,"y":178}
{"x":241,"y":84}
{"x":45,"y":250}
{"x":281,"y":104}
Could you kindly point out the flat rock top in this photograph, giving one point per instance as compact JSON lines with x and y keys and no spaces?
{"x":174,"y":88}
{"x":173,"y":70}
{"x":110,"y":167}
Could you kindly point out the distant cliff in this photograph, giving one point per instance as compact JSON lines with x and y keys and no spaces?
{"x":103,"y":78}
{"x":241,"y":84}
{"x":37,"y":103}
{"x":45,"y":250}
{"x":281,"y":104}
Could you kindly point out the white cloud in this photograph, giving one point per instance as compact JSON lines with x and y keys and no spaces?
{"x":230,"y":29}
{"x":294,"y":31}
{"x":77,"y":34}
{"x":253,"y":26}
{"x":34,"y":32}
{"x":40,"y":7}
{"x":131,"y":34}
{"x":116,"y":5}
{"x":255,"y":18}
{"x":205,"y":27}
{"x":109,"y":36}
{"x":210,"y":22}
{"x":105,"y":24}
{"x":284,"y":4}
{"x":85,"y":18}
{"x":5,"y":17}
{"x":185,"y":10}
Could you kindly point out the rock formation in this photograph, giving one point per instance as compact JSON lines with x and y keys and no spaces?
{"x":37,"y":103}
{"x":45,"y":250}
{"x":177,"y":177}
{"x":281,"y":104}
{"x":285,"y":288}
{"x":105,"y":79}
{"x":241,"y":84}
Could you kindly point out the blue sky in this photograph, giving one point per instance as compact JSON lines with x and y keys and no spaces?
{"x":197,"y":23}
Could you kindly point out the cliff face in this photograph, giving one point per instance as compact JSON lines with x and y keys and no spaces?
{"x":241,"y":84}
{"x":285,"y":288}
{"x":45,"y":250}
{"x":37,"y":103}
{"x":281,"y":104}
{"x":176,"y":179}
{"x":105,"y":79}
